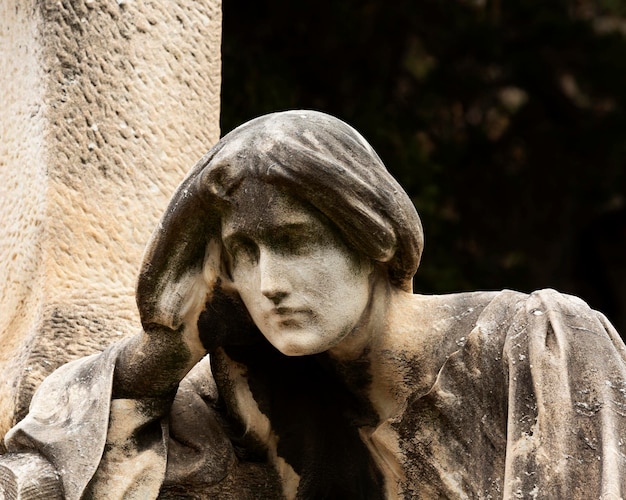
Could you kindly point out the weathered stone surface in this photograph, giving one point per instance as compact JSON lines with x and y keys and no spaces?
{"x":104,"y":105}
{"x":287,"y":255}
{"x":26,"y":476}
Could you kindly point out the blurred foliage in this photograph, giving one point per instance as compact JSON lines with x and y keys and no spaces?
{"x":504,"y":121}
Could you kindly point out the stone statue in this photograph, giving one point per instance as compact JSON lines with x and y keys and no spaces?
{"x":287,"y":255}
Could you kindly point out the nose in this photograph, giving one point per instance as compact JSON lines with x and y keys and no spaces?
{"x":274,"y":283}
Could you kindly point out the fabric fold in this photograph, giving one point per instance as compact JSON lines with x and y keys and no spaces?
{"x":68,"y":420}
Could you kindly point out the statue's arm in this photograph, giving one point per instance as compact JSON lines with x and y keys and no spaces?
{"x":83,"y":440}
{"x":152,"y":363}
{"x":184,"y":316}
{"x":567,"y":383}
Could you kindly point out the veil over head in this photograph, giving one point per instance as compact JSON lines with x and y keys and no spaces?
{"x":314,"y":157}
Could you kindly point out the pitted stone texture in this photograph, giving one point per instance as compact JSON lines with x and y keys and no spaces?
{"x":107,"y":103}
{"x":22,"y":187}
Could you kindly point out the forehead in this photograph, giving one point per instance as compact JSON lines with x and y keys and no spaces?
{"x":257,"y":207}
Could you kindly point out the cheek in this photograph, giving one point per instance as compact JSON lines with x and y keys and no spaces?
{"x":244,"y":273}
{"x":341,"y":282}
{"x":347,"y":271}
{"x":246,"y":284}
{"x":318,"y":277}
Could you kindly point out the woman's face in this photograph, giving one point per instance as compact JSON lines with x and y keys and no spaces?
{"x":305,"y":290}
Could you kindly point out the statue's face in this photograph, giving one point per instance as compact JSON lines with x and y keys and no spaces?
{"x":303,"y":287}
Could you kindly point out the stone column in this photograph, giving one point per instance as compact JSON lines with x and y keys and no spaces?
{"x":105,"y":105}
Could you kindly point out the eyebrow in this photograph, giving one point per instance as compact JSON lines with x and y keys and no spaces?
{"x":305,"y":226}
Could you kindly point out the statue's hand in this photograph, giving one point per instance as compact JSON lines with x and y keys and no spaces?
{"x":225,"y":321}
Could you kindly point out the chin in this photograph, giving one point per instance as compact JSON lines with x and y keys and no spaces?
{"x":298,"y":348}
{"x":293,"y":351}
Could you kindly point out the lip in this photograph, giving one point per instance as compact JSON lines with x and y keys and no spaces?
{"x":291,"y":311}
{"x":290,"y":316}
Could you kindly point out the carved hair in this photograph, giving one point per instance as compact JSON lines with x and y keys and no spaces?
{"x":328,"y":164}
{"x":313,"y":156}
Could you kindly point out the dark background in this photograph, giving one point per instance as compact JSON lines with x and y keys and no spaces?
{"x":504,"y":121}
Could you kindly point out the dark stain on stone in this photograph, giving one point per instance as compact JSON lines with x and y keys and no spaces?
{"x":315,"y":407}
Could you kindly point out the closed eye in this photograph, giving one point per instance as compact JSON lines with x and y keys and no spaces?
{"x":297,"y":239}
{"x":241,"y":251}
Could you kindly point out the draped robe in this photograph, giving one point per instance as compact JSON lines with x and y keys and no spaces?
{"x":524,"y":396}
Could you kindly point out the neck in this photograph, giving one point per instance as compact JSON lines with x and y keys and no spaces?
{"x":359,"y":341}
{"x":376,"y":344}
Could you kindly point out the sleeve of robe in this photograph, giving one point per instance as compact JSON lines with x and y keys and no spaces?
{"x":532,"y":405}
{"x":566,"y":434}
{"x":121,"y":448}
{"x":68,"y":420}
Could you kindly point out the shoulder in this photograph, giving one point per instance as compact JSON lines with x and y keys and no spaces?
{"x":496,"y":310}
{"x":564,"y":325}
{"x":496,"y":320}
{"x":466,"y":309}
{"x":429,"y":330}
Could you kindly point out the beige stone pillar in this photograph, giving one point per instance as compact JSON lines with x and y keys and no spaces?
{"x":104,"y":106}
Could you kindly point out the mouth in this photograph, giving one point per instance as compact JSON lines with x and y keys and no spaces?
{"x":288,"y":311}
{"x":291,"y":316}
